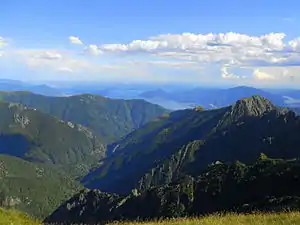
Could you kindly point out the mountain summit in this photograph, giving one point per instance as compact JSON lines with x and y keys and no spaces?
{"x":253,"y":106}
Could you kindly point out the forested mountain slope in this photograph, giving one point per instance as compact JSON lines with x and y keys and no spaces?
{"x":109,"y":118}
{"x":34,"y":188}
{"x":187,"y":141}
{"x":34,"y":136}
{"x":265,"y":185}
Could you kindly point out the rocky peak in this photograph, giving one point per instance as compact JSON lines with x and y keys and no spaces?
{"x":253,"y":106}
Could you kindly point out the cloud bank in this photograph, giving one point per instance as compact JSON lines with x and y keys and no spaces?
{"x":269,"y":58}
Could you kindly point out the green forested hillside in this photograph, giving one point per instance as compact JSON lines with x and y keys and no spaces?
{"x":34,"y":188}
{"x":187,"y":141}
{"x":39,"y":151}
{"x":267,"y":185}
{"x":35,"y":136}
{"x":109,"y":118}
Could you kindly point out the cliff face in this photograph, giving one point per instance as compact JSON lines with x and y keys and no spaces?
{"x":171,"y":169}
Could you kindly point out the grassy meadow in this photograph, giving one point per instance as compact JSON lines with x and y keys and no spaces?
{"x":291,"y":218}
{"x":11,"y":217}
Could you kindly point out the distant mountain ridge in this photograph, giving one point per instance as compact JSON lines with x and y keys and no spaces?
{"x":169,"y":96}
{"x":109,"y":118}
{"x":212,"y":97}
{"x":15,"y":85}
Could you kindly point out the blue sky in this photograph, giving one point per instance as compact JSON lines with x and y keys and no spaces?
{"x":208,"y":42}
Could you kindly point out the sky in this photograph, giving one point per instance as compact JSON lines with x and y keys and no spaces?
{"x":217,"y":42}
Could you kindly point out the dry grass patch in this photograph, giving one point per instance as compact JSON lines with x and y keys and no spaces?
{"x":12,"y":217}
{"x":292,"y":218}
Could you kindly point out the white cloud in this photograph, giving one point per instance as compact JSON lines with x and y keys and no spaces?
{"x":93,"y":50}
{"x":48,"y":55}
{"x":266,"y":50}
{"x":229,"y":57}
{"x":3,"y":42}
{"x":190,"y":42}
{"x":167,"y":64}
{"x":223,"y":50}
{"x":295,"y":44}
{"x":48,"y":59}
{"x":75,"y":40}
{"x":65,"y":69}
{"x":226,"y":75}
{"x":259,"y":75}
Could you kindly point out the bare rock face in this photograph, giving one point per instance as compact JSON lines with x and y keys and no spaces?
{"x":23,"y":121}
{"x":253,"y":106}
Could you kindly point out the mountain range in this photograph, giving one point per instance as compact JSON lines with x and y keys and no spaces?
{"x":119,"y":155}
{"x":16,"y":85}
{"x":194,"y":162}
{"x":217,"y":97}
{"x":169,"y":96}
{"x":186,"y":141}
{"x":41,"y":155}
{"x":109,"y":118}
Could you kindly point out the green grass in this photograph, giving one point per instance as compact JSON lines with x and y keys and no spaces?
{"x":12,"y":217}
{"x":291,"y":218}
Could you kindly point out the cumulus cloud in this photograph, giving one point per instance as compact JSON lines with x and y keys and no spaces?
{"x":225,"y":56}
{"x":222,"y":49}
{"x":93,"y":50}
{"x":194,"y":42}
{"x":226,"y":75}
{"x":75,"y":40}
{"x":268,"y":49}
{"x":259,"y":75}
